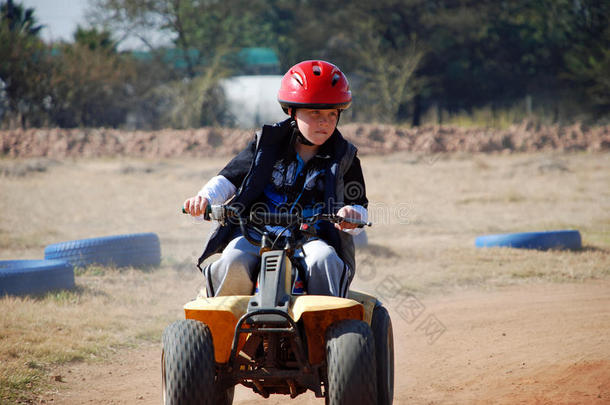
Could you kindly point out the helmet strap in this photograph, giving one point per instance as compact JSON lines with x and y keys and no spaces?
{"x":296,"y":132}
{"x":302,"y":139}
{"x":299,"y":136}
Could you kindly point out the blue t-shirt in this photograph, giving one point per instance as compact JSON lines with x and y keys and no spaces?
{"x":295,"y":187}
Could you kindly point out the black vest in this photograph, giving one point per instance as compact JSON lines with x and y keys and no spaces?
{"x":271,"y":142}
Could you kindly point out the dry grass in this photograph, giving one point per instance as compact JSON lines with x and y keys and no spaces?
{"x":446,"y":203}
{"x":427,"y":212}
{"x":109,"y":310}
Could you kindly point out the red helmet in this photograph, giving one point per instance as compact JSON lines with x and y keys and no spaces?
{"x":314,"y":84}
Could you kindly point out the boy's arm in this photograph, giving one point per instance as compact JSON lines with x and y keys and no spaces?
{"x":236,"y":170}
{"x":223,"y":186}
{"x":354,"y":192}
{"x":354,"y":196}
{"x":218,"y":190}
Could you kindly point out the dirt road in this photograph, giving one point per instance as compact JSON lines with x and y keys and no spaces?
{"x":532,"y":344}
{"x":504,"y":325}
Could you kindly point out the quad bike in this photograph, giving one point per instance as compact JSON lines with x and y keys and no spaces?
{"x":277,"y":342}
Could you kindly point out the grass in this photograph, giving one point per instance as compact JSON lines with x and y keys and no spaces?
{"x":8,"y":239}
{"x":426,"y":217}
{"x":457,"y":268}
{"x":499,"y":118}
{"x":510,"y":196}
{"x":106,"y":312}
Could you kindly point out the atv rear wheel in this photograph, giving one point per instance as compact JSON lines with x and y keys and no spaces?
{"x":350,"y":358}
{"x":188,"y":364}
{"x":381,"y":325}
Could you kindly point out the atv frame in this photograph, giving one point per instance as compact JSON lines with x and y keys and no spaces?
{"x":276,"y":342}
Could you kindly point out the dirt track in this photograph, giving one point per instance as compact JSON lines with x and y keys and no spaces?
{"x":539,"y":344}
{"x":520,"y":326}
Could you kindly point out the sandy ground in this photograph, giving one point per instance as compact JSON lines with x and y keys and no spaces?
{"x":542,"y":344}
{"x":493,"y":326}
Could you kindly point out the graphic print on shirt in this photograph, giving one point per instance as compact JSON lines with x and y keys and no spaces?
{"x":277,"y":177}
{"x":284,"y":191}
{"x":310,"y":179}
{"x":291,"y":173}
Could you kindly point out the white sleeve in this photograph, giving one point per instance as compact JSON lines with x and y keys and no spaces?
{"x":218,"y":190}
{"x":364,"y":215}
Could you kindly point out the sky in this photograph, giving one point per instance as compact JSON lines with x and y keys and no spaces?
{"x":59,"y":17}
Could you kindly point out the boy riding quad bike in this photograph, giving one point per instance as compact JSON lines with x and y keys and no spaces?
{"x":276,"y":341}
{"x":299,"y":182}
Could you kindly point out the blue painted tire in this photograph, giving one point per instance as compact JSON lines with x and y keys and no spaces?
{"x":18,"y":277}
{"x":135,"y":250}
{"x":566,"y":239}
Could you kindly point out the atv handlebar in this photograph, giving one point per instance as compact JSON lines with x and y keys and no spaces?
{"x":216,"y":212}
{"x":284,"y":219}
{"x":300,"y":225}
{"x":222,"y":212}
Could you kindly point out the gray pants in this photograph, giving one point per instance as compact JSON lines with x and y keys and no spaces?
{"x":236,"y":271}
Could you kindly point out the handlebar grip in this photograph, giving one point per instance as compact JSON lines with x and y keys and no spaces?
{"x":206,"y":214}
{"x":208,"y":211}
{"x":359,"y":222}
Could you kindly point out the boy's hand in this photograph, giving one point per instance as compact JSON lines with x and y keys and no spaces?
{"x":196,"y":205}
{"x":347,"y":212}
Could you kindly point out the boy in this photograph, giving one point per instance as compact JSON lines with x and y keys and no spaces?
{"x":300,"y":165}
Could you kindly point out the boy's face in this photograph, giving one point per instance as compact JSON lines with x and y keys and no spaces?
{"x":316,"y":125}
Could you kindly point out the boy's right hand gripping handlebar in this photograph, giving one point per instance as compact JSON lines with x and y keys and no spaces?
{"x":211,"y":212}
{"x":216,"y":212}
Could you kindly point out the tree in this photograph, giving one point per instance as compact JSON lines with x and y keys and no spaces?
{"x":208,"y":35}
{"x":587,"y":61}
{"x":19,"y":20}
{"x":497,"y":53}
{"x":95,"y":39}
{"x":377,"y":44}
{"x":90,"y":83}
{"x":22,"y":63}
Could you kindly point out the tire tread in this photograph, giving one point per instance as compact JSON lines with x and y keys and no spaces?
{"x":350,"y":354}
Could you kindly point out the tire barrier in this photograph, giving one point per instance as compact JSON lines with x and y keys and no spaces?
{"x":135,"y":250}
{"x":19,"y":277}
{"x":562,"y":239}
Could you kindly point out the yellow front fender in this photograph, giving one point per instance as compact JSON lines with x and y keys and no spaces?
{"x":316,"y":312}
{"x":220,"y":314}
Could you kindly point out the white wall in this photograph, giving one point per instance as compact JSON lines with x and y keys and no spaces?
{"x":253,"y":100}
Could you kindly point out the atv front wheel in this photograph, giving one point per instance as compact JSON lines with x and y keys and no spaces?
{"x":188,"y":364}
{"x":350,"y":358}
{"x":381,"y":325}
{"x":225,"y":397}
